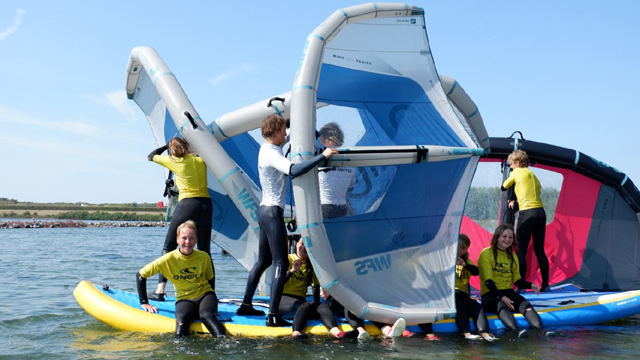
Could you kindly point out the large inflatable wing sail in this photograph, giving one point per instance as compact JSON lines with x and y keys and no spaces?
{"x":394,"y":255}
{"x":232,"y":231}
{"x":413,"y":138}
{"x":593,"y":226}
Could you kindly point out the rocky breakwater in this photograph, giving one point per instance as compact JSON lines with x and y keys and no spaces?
{"x":38,"y":224}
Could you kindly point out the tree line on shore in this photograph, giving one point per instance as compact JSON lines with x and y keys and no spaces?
{"x":482,"y":205}
{"x":12,"y":209}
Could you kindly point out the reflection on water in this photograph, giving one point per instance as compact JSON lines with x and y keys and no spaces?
{"x":41,"y":319}
{"x":111,"y":343}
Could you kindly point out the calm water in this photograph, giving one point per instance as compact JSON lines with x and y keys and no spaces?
{"x":40,"y":319}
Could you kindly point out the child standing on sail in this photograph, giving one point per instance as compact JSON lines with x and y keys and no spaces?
{"x":498,"y":272}
{"x":532,"y":219}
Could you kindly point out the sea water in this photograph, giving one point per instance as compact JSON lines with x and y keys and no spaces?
{"x":40,"y":318}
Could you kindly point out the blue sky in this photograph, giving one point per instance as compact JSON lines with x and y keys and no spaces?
{"x":562,"y":72}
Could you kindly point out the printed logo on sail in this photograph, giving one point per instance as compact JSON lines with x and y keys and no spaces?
{"x":410,"y":21}
{"x":374,"y":264}
{"x":247,"y":201}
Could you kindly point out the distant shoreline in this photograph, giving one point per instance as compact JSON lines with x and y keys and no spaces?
{"x":51,"y":224}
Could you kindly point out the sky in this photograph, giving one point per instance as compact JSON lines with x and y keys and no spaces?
{"x":561,"y":72}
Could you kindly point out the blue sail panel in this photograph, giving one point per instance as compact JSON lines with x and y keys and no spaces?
{"x":409,"y":115}
{"x":405,"y":218}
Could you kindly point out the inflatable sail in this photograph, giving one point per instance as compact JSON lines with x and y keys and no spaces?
{"x":592,"y":234}
{"x":155,"y":89}
{"x":395,"y":255}
{"x":413,"y":137}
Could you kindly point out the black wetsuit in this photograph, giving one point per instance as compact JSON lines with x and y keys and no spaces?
{"x":273,"y":245}
{"x":466,"y":307}
{"x":532,"y":223}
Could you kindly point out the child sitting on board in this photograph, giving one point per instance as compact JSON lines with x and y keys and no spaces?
{"x":466,"y":307}
{"x":499,"y":271}
{"x":195,"y":293}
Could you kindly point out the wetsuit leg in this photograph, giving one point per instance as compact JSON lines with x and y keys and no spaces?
{"x":538,"y":245}
{"x":186,"y":312}
{"x":202,"y":216}
{"x":426,"y":328}
{"x":491,"y":304}
{"x":506,"y":316}
{"x":478,"y":316}
{"x":302,"y":315}
{"x":338,"y":310}
{"x":207,"y":311}
{"x":341,"y":311}
{"x":170,"y":242}
{"x":289,"y":305}
{"x":335,"y":306}
{"x":526,"y":223}
{"x":530,"y":314}
{"x":200,"y":211}
{"x":326,"y":315}
{"x":353,"y":320}
{"x":197,"y":209}
{"x":264,"y":261}
{"x":272,"y":221}
{"x":462,"y":312}
{"x":184,"y":211}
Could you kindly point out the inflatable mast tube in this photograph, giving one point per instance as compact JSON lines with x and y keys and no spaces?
{"x":463,"y":102}
{"x":397,"y":155}
{"x":250,"y":117}
{"x":193,"y":129}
